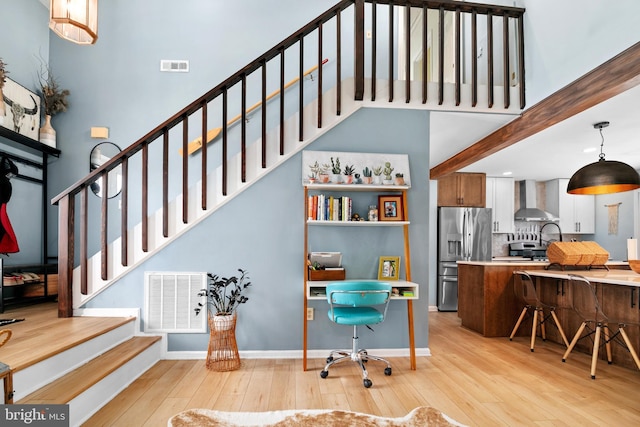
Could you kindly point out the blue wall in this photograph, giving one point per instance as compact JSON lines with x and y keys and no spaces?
{"x":24,"y":47}
{"x":262,"y":232}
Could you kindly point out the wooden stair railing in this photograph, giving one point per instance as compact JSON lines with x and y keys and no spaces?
{"x":203,"y":110}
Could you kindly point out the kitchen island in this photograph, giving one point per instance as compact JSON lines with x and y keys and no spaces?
{"x":487,"y":303}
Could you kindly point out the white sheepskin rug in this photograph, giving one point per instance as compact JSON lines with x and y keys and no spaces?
{"x":421,"y":416}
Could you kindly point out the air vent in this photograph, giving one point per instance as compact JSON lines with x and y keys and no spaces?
{"x":170,"y":299}
{"x":174,"y":65}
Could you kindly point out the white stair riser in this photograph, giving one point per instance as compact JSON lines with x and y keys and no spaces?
{"x":90,"y":401}
{"x":30,"y":379}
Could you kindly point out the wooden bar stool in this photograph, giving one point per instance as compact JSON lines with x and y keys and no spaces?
{"x":6,"y":373}
{"x":586,"y":304}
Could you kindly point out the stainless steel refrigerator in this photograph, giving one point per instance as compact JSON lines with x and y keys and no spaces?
{"x":464,"y":234}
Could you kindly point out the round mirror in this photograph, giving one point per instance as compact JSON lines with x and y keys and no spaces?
{"x":100,"y":155}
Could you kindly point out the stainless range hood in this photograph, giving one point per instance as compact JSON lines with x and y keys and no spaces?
{"x":529,"y":210}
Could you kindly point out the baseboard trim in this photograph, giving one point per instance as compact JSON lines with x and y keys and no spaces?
{"x":293,"y":354}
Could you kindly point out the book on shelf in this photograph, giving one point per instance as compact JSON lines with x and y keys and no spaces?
{"x":329,"y":208}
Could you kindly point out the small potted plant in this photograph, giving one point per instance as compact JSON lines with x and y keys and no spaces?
{"x":335,"y":171}
{"x":386,"y":171}
{"x":366,"y":175}
{"x":377,"y":171}
{"x":315,"y":172}
{"x":224,"y":295}
{"x":348,"y":174}
{"x":323,"y":174}
{"x":399,"y":179}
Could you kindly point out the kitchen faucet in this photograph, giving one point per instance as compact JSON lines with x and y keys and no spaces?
{"x":550,"y":223}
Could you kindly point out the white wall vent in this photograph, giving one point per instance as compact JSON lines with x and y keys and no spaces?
{"x":169,"y":302}
{"x":174,"y":65}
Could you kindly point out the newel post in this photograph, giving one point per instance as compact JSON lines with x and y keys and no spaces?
{"x":358,"y":65}
{"x":66,"y":214}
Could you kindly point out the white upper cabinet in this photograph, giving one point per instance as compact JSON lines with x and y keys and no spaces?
{"x":576,"y":212}
{"x":500,"y":198}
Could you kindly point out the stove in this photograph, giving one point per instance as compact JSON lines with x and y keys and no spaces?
{"x":532,"y":250}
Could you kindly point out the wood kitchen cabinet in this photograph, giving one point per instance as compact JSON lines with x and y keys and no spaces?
{"x":576,"y":212}
{"x":462,"y":189}
{"x":500,"y":198}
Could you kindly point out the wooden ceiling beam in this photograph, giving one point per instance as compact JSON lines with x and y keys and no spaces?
{"x":609,"y":79}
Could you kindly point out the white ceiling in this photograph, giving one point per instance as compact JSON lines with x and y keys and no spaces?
{"x":556,"y":152}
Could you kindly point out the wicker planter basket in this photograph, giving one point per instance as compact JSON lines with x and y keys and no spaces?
{"x":577,"y":253}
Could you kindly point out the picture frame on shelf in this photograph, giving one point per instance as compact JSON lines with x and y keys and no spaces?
{"x":390,"y":208}
{"x":389,"y":268}
{"x":22,"y":108}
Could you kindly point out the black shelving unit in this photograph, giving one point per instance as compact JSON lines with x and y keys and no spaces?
{"x":19,"y":142}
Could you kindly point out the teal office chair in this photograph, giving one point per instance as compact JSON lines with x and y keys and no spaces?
{"x":351,"y":303}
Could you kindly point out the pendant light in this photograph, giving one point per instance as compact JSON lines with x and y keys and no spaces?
{"x":603,"y":176}
{"x":75,"y":20}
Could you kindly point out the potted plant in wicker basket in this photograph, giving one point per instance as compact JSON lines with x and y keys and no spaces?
{"x":223,"y":296}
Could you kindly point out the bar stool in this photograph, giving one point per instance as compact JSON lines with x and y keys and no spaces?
{"x":526,"y":292}
{"x":586,"y":304}
{"x":6,"y":373}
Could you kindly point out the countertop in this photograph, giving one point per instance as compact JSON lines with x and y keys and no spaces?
{"x":506,"y":261}
{"x":611,"y":277}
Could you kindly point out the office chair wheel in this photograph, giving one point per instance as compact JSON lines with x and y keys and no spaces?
{"x":329,"y":359}
{"x":387,"y":371}
{"x":324,"y":374}
{"x":367,"y":383}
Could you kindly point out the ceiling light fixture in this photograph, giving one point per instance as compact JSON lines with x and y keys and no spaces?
{"x":75,"y":20}
{"x":603,"y":176}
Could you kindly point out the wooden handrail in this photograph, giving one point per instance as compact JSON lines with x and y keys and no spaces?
{"x":212,"y":134}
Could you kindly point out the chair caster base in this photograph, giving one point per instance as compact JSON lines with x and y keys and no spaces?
{"x":367,"y":383}
{"x":387,"y":371}
{"x":324,"y":374}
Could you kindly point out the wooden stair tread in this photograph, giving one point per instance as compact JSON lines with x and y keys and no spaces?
{"x":66,"y":388}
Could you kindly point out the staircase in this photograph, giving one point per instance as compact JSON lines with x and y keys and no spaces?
{"x":81,"y":362}
{"x":80,"y":280}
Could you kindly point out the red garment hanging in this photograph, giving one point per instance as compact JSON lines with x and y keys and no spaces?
{"x":8,"y":241}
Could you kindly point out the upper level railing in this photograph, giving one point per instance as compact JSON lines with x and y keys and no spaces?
{"x":440,"y":42}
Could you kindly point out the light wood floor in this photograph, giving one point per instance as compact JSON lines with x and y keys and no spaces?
{"x":477,"y":381}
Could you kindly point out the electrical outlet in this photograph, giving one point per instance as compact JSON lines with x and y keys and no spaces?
{"x":310,"y":313}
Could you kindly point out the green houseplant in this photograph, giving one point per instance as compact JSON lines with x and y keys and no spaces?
{"x":224,"y":294}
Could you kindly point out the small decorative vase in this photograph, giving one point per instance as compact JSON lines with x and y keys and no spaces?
{"x":336,"y":178}
{"x":324,"y":178}
{"x":377,"y":180}
{"x":387,"y":181}
{"x":48,"y":133}
{"x":399,"y":180}
{"x":348,"y":179}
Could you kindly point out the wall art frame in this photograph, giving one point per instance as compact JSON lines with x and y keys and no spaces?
{"x":22,"y":109}
{"x":389,"y":268}
{"x":390,"y":208}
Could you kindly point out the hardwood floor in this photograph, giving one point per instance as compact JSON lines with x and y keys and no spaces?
{"x":477,"y":381}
